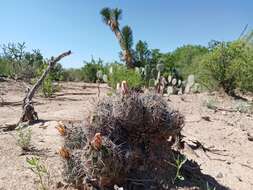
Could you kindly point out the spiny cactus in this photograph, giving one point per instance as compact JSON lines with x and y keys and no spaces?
{"x":152,"y":82}
{"x":111,"y":70}
{"x":169,"y":79}
{"x":137,"y":69}
{"x":99,"y":75}
{"x":127,"y":137}
{"x":189,"y":84}
{"x":159,"y":68}
{"x":174,"y":82}
{"x":105,"y":78}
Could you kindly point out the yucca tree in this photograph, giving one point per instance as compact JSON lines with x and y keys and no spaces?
{"x":111,"y":18}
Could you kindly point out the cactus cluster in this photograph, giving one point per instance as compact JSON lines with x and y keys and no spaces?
{"x":125,"y":137}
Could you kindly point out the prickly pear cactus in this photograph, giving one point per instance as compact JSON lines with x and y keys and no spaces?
{"x":152,"y":83}
{"x":99,"y":74}
{"x":169,"y":79}
{"x":160,"y":67}
{"x":179,"y":82}
{"x":111,"y":70}
{"x":170,"y":90}
{"x":105,"y":78}
{"x":174,"y":82}
{"x":189,"y":84}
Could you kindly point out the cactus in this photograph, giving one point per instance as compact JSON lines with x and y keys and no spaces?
{"x":152,"y":82}
{"x":174,"y":82}
{"x":170,"y":90}
{"x":111,"y":70}
{"x":99,"y":75}
{"x":159,"y":68}
{"x":105,"y":78}
{"x":179,"y":82}
{"x":137,"y":69}
{"x":189,"y":84}
{"x":169,"y":79}
{"x":153,"y":72}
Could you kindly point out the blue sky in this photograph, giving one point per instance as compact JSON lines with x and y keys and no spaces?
{"x":54,"y":26}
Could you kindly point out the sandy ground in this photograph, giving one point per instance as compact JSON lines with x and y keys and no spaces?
{"x":227,"y":135}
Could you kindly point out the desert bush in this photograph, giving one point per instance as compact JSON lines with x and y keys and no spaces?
{"x":47,"y":87}
{"x":120,"y":73}
{"x":228,"y":66}
{"x":5,"y":68}
{"x":90,"y":69}
{"x":211,"y":104}
{"x":244,"y":107}
{"x":72,"y":75}
{"x":20,"y":63}
{"x":24,"y":138}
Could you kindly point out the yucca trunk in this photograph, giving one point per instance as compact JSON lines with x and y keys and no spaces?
{"x":127,"y":56}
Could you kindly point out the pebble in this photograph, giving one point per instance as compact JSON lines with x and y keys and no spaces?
{"x":219,"y":175}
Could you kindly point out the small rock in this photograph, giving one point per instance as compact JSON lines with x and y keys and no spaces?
{"x":250,"y":137}
{"x":239,"y":178}
{"x":219,"y":175}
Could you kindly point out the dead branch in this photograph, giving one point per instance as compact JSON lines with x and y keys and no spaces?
{"x":29,"y":113}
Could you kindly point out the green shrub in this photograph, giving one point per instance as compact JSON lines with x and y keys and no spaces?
{"x":72,"y":75}
{"x":40,"y":170}
{"x":120,"y":73}
{"x":47,"y":87}
{"x":24,"y":138}
{"x":90,"y":69}
{"x":228,"y":66}
{"x":5,"y":68}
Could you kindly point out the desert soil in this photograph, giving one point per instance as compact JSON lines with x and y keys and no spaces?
{"x":226,"y":135}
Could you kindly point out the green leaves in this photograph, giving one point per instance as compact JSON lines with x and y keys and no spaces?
{"x":111,"y":15}
{"x":24,"y":138}
{"x":127,"y":37}
{"x":40,"y":170}
{"x":106,"y":14}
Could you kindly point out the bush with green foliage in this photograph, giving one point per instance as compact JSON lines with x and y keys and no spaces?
{"x":5,"y":68}
{"x":24,"y":138}
{"x":90,"y":69}
{"x":72,"y":74}
{"x":47,"y":85}
{"x":120,"y":73}
{"x":16,"y":62}
{"x":229,"y":65}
